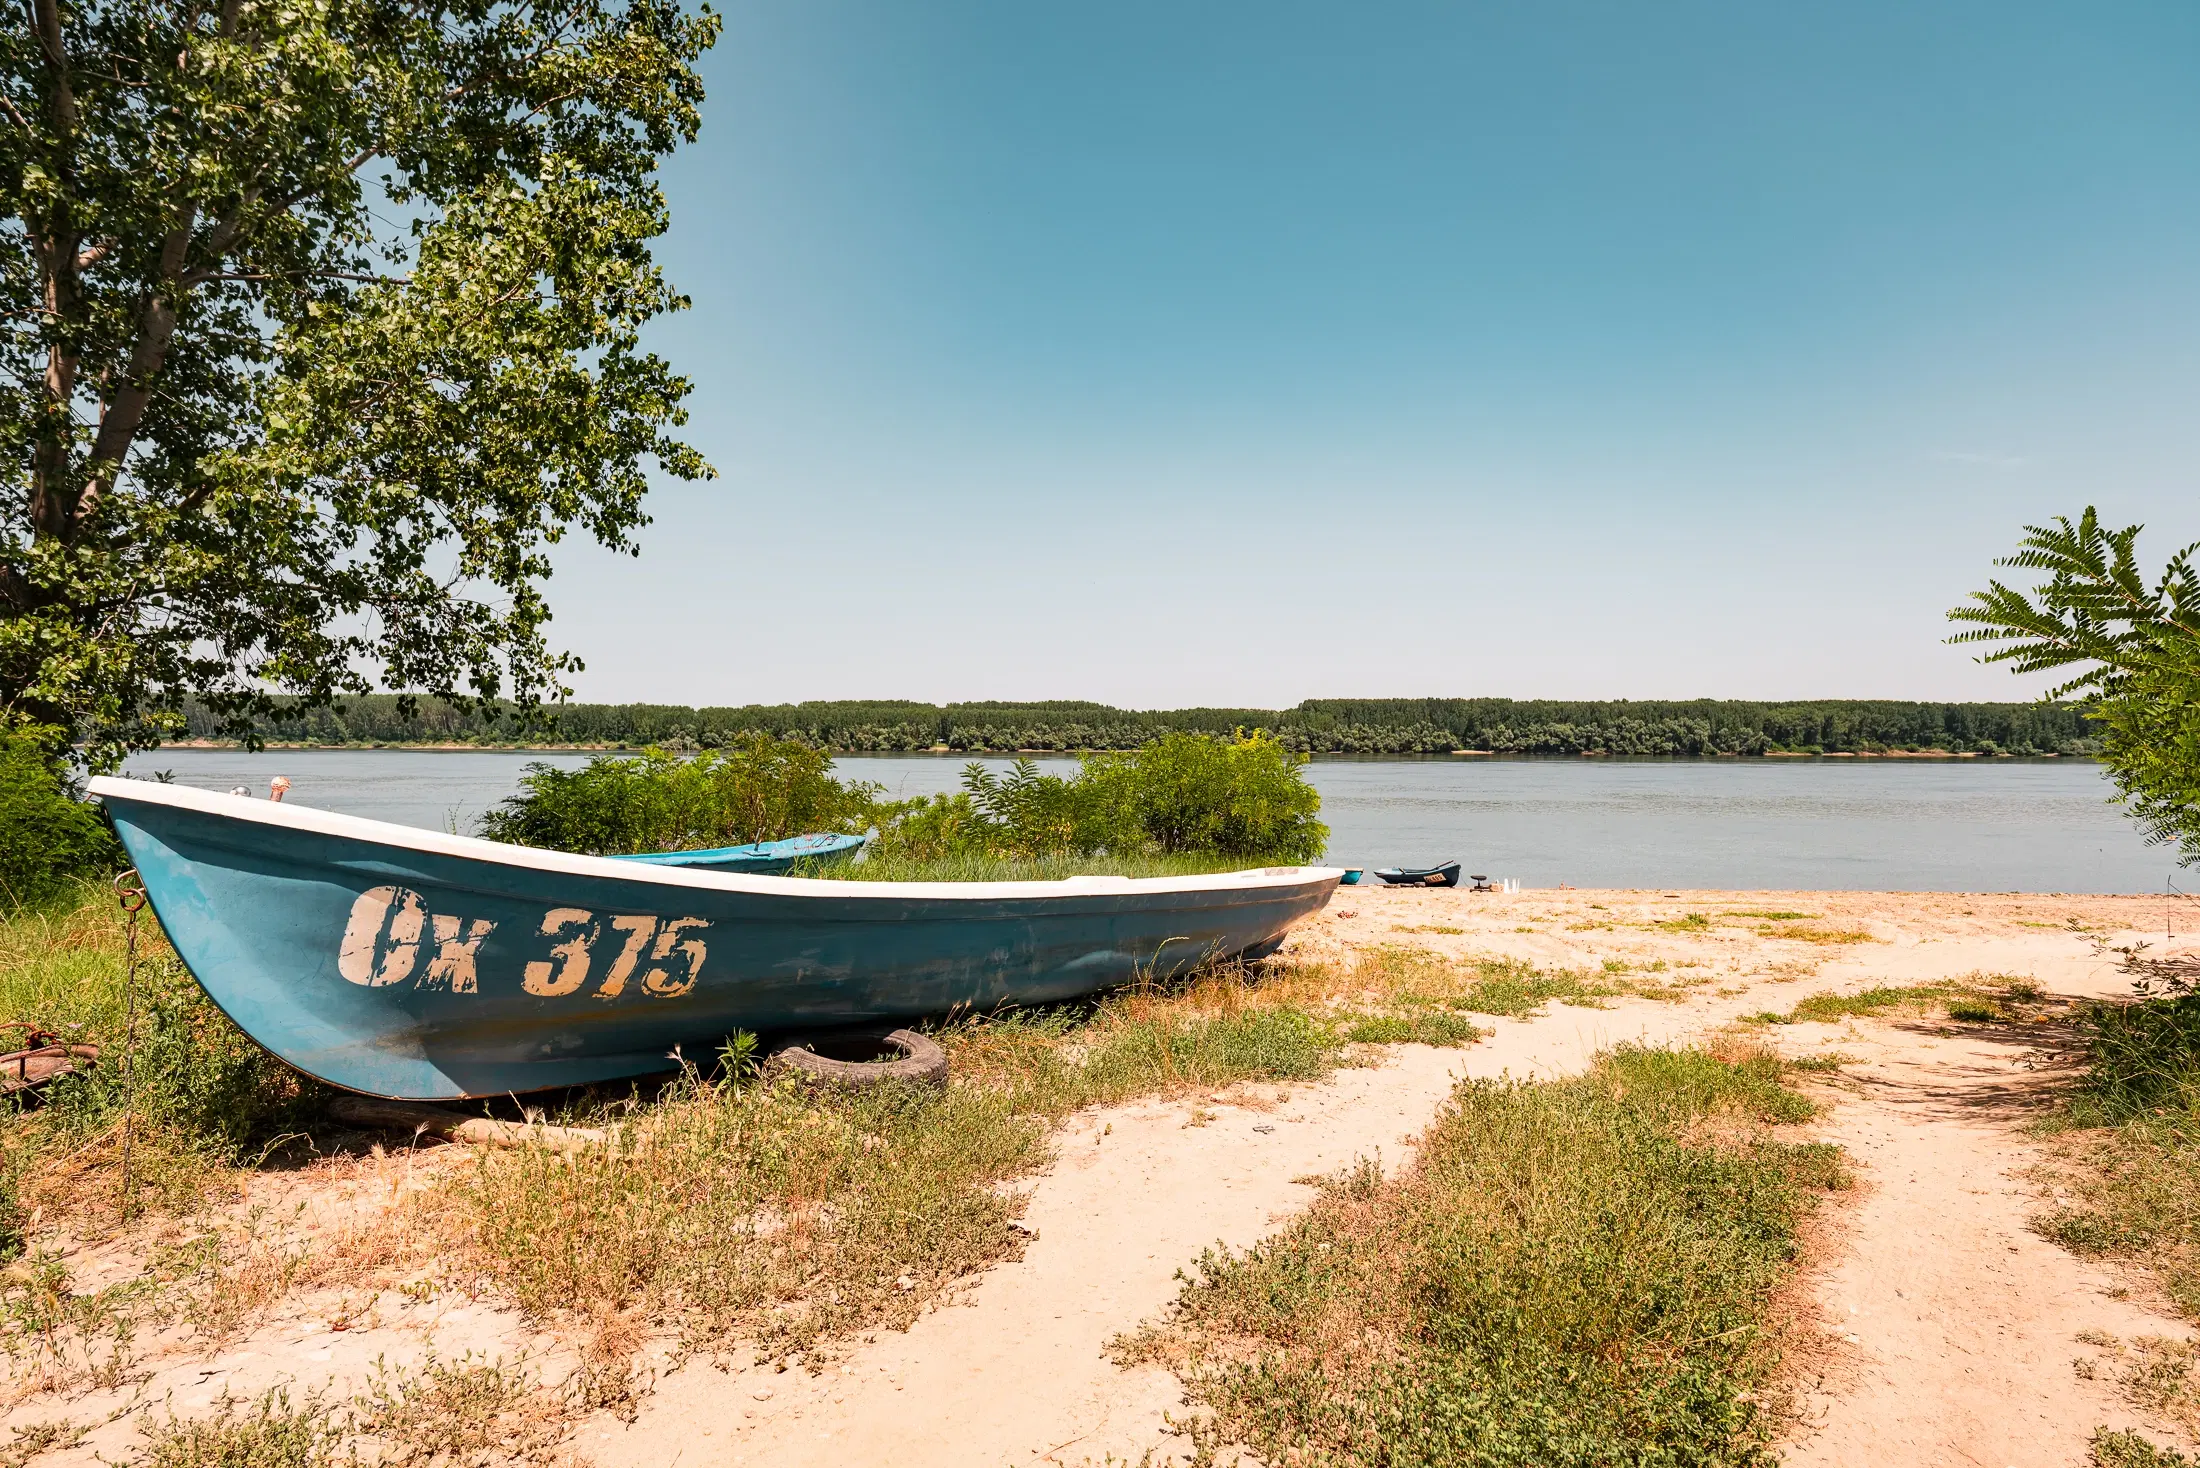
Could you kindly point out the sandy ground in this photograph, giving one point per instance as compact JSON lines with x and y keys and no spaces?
{"x":1951,"y":1329}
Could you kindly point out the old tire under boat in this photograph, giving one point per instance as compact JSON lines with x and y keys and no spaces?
{"x":922,"y":1063}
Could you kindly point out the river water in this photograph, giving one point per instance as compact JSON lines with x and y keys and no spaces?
{"x":1873,"y":825}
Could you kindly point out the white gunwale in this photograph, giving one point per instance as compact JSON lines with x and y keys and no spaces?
{"x":474,"y":848}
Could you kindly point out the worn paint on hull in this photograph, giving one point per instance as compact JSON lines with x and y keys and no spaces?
{"x":413,"y":964}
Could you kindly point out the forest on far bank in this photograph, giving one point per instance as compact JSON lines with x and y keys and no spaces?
{"x":1692,"y":727}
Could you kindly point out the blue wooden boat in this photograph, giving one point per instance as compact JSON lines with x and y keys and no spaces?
{"x":761,"y":858}
{"x":418,"y":965}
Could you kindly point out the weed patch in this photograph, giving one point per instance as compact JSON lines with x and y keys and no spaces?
{"x":2130,"y":1450}
{"x":1694,"y":922}
{"x":1417,"y":1029}
{"x":1796,"y":933}
{"x":1874,"y":1002}
{"x":2137,"y":1198}
{"x":1574,"y":1271}
{"x":267,"y":1433}
{"x":459,"y":1412}
{"x":2131,"y":1155}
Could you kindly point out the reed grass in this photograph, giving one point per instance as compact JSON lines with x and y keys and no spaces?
{"x":1579,"y":1271}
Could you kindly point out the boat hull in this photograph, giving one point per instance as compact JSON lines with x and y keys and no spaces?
{"x":411,"y":964}
{"x":1446,"y":875}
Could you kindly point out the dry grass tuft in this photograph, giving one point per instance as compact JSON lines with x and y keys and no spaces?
{"x":758,"y":1210}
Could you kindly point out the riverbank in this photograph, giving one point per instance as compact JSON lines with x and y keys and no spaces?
{"x":1930,"y":1320}
{"x":1869,"y":824}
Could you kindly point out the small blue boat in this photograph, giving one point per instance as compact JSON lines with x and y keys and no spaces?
{"x":1351,"y":877}
{"x":423,"y":966}
{"x":762,"y":858}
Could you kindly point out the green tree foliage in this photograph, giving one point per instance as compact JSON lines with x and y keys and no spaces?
{"x":1318,"y":726}
{"x":2131,"y":648}
{"x":47,"y":835}
{"x":760,"y":789}
{"x":321,"y":323}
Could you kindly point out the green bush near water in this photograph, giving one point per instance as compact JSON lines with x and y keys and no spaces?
{"x":47,"y":835}
{"x":757,"y":789}
{"x":1243,"y":797}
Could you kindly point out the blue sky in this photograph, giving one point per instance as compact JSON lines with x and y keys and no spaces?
{"x":1233,"y":353}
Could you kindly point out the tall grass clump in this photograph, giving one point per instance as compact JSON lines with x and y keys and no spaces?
{"x":2133,"y":1161}
{"x":755,"y":789}
{"x":1578,"y":1272}
{"x":758,"y":1208}
{"x":2142,"y":1059}
{"x":200,"y":1097}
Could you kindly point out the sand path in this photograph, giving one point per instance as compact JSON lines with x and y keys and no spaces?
{"x":1960,"y":1324}
{"x":1018,"y":1374}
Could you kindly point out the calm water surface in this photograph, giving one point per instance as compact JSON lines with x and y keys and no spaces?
{"x":1969,"y":825}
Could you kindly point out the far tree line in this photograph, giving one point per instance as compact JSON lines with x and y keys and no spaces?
{"x":1697,"y":727}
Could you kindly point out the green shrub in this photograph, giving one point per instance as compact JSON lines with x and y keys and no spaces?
{"x":47,"y":835}
{"x":1188,"y":792}
{"x":1243,"y":797}
{"x":267,"y":1433}
{"x":1185,"y":794}
{"x":192,"y":1074}
{"x":756,"y":789}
